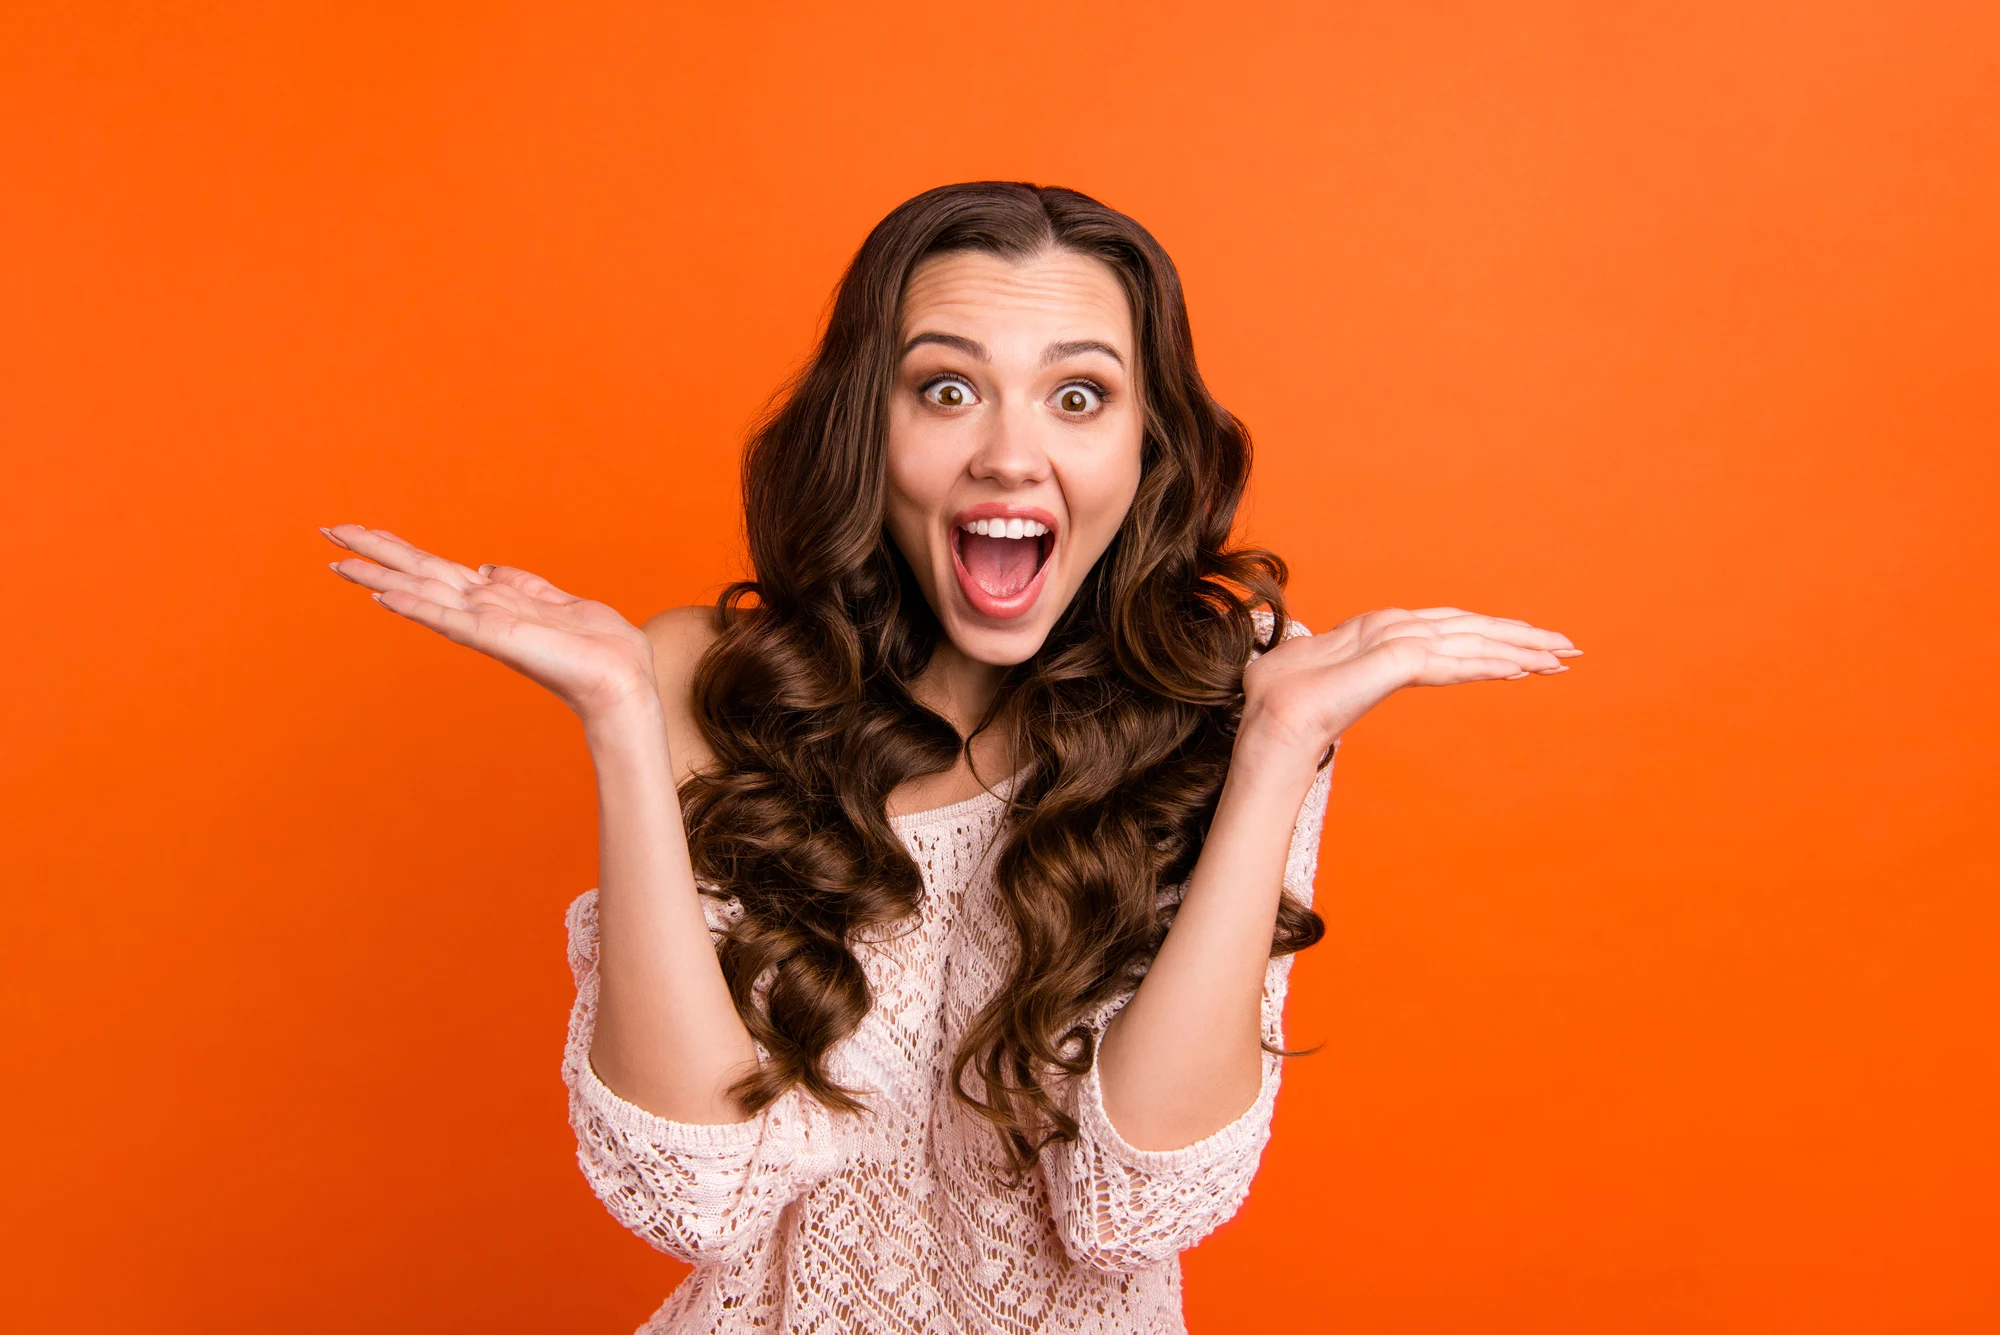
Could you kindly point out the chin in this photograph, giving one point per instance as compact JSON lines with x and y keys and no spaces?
{"x":996,"y":646}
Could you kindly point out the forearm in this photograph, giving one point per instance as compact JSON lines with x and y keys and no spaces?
{"x":667,"y":1036}
{"x":1183,"y":1059}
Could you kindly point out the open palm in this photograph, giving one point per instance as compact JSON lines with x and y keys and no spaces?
{"x":585,"y":652}
{"x":1310,"y":689}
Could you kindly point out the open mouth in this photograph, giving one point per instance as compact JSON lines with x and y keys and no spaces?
{"x":1001,"y":562}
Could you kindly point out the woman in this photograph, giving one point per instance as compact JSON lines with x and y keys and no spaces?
{"x":950,"y":870}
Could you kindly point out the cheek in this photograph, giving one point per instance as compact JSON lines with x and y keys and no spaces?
{"x":918,"y":477}
{"x":1098,"y":489}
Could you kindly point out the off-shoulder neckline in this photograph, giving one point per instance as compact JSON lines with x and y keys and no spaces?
{"x":991,"y":797}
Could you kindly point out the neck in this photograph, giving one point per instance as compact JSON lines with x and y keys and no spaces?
{"x":958,"y":687}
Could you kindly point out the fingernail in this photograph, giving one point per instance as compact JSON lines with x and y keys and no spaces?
{"x":1566,"y":653}
{"x":334,"y":566}
{"x":377,"y":597}
{"x":1516,"y":677}
{"x":1550,"y":672}
{"x":486,"y":569}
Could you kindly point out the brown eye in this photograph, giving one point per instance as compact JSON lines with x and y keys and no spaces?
{"x":1078,"y":399}
{"x":948,"y":393}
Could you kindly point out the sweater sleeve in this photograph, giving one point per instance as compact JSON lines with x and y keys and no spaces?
{"x":1123,"y":1209}
{"x":705,"y":1194}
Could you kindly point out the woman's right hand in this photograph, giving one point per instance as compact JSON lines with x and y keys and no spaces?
{"x":594,"y":660}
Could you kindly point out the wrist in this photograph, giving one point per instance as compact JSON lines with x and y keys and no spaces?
{"x":1272,"y":739}
{"x":629,"y":718}
{"x":1266,"y":752}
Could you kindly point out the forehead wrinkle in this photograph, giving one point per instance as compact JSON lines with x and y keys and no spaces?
{"x":973,"y":284}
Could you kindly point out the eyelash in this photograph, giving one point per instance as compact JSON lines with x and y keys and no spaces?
{"x":924,"y":390}
{"x":1103,"y":394}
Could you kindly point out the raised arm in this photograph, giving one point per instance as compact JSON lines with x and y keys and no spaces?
{"x":1175,"y":1112}
{"x":666,"y":1035}
{"x":1124,"y":1209}
{"x":1177,"y":1108}
{"x":1182,"y":1059}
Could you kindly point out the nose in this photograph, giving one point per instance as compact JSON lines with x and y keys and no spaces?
{"x":1010,"y":450}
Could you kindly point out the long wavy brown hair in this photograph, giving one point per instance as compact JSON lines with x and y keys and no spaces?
{"x":1125,"y":717}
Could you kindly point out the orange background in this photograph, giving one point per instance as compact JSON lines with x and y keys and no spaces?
{"x":1658,"y":997}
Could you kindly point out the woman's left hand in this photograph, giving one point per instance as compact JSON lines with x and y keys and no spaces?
{"x":1309,"y":690}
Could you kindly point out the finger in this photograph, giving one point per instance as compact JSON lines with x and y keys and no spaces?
{"x":1466,"y":645}
{"x":471,"y":575}
{"x":1508,"y":631}
{"x":1440,"y":613}
{"x":526,"y":581}
{"x":405,"y":542}
{"x":385,"y":548}
{"x":460,"y":627}
{"x":381,"y":579}
{"x":1458,"y":671}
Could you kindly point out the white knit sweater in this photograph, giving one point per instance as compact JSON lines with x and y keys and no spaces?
{"x":899,"y":1221}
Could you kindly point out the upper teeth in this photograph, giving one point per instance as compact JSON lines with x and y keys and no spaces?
{"x":1006,"y":528}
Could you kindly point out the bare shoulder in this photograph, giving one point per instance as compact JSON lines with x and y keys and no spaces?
{"x":681,"y":633}
{"x":680,"y":636}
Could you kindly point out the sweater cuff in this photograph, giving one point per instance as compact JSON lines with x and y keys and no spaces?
{"x":597,"y":1099}
{"x":1245,"y":1135}
{"x":668,"y":1136}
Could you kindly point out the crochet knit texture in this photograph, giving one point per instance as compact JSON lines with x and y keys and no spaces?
{"x":901,"y":1221}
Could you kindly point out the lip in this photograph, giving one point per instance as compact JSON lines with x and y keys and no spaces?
{"x":982,"y":602}
{"x":1002,"y":510}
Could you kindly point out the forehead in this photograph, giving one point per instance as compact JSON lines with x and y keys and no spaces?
{"x":1054,"y":294}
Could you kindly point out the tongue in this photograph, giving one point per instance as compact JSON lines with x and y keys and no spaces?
{"x":1001,"y":566}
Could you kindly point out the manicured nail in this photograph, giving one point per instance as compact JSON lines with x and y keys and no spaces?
{"x":1550,"y":672}
{"x":378,"y":598}
{"x":1516,"y":677}
{"x":1566,"y":653}
{"x":486,"y":569}
{"x":334,"y":566}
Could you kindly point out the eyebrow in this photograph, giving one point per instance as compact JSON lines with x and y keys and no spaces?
{"x":1056,"y":352}
{"x":970,"y":347}
{"x":973,"y":348}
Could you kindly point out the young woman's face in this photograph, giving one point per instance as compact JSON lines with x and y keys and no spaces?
{"x":1014,"y":440}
